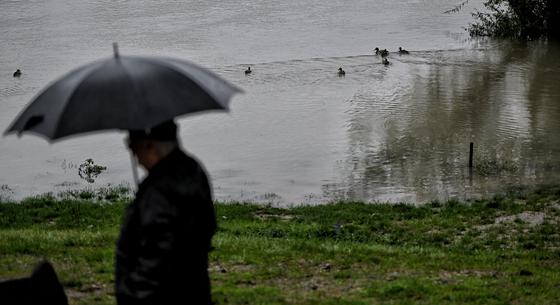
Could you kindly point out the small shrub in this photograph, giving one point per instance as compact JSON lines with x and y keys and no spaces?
{"x":88,"y":170}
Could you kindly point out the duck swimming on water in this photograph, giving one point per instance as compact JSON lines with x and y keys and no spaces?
{"x":248,"y":71}
{"x":383,"y":53}
{"x":385,"y":61}
{"x":17,"y":73}
{"x":341,"y":72}
{"x":403,"y":51}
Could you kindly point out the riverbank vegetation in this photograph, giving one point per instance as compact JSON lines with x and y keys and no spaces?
{"x":519,"y":19}
{"x":504,"y":250}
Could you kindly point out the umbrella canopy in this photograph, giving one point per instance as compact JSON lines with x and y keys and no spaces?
{"x":123,"y":92}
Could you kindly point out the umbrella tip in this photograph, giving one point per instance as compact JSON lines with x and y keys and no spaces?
{"x":116,"y":49}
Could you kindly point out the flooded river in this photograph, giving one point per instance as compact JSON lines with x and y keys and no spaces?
{"x":300,"y":133}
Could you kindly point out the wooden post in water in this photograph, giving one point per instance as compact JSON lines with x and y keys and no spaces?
{"x":471,"y":155}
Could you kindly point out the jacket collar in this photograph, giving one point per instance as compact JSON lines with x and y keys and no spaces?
{"x":163,"y":165}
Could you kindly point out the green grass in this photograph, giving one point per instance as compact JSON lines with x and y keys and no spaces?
{"x":504,"y":250}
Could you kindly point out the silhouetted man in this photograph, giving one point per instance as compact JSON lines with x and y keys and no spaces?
{"x":162,"y":252}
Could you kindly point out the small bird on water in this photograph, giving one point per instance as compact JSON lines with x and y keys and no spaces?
{"x":385,"y":61}
{"x":341,"y":72}
{"x":383,"y":53}
{"x":248,"y":71}
{"x":17,"y":73}
{"x":403,"y":51}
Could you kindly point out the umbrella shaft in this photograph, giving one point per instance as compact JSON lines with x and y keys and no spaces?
{"x":134,"y":169}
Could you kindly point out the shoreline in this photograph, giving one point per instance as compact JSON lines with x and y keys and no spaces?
{"x":123,"y":191}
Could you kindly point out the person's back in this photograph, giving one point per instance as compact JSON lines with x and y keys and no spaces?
{"x":162,"y":253}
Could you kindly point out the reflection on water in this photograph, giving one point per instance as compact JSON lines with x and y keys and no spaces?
{"x":413,"y":145}
{"x":300,"y":133}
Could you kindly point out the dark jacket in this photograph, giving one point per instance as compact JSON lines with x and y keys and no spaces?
{"x":162,"y":252}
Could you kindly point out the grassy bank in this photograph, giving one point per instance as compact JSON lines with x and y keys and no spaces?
{"x":505,"y":250}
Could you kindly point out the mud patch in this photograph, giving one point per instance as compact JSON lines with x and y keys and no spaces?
{"x":528,"y":217}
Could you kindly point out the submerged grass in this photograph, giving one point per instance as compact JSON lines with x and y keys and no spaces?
{"x":504,"y":250}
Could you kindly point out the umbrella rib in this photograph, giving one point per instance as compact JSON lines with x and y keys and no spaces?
{"x":70,"y":96}
{"x":92,"y":72}
{"x":131,"y":81}
{"x":173,"y":68}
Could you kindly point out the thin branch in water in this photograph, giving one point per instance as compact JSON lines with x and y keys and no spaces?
{"x":457,"y":8}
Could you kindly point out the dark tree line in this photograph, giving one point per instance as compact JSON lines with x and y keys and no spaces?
{"x":523,"y":19}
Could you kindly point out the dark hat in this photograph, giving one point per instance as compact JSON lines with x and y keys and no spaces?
{"x":166,"y":131}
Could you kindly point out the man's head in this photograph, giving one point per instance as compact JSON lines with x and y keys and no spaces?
{"x":153,"y":144}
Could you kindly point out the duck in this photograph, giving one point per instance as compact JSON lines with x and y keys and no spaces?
{"x":248,"y":71}
{"x":341,"y":72}
{"x":17,"y":73}
{"x":403,"y":51}
{"x":383,"y":53}
{"x":385,"y":61}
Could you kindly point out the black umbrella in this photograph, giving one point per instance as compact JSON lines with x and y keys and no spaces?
{"x":123,"y":92}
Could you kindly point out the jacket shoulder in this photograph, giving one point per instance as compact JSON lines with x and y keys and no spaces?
{"x":181,"y":176}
